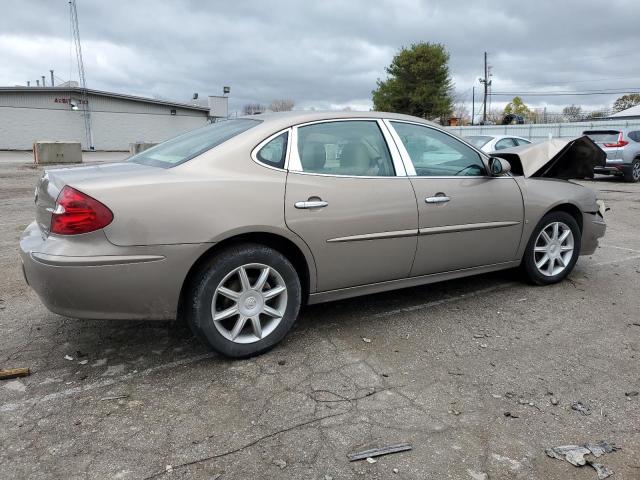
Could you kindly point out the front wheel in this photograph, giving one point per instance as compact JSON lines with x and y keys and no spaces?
{"x":553,"y":249}
{"x":244,"y":300}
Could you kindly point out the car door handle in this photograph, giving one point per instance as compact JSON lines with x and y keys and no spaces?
{"x":311,"y":204}
{"x":437,"y":199}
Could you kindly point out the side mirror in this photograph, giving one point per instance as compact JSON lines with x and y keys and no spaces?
{"x":498,"y":166}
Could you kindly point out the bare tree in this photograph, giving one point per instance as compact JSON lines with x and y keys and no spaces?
{"x":461,"y":112}
{"x":282,"y":105}
{"x":494,"y":116}
{"x":253,"y":109}
{"x":572,"y":113}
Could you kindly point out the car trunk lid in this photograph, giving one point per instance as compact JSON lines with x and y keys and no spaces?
{"x":54,"y":180}
{"x":608,"y":140}
{"x":555,"y":158}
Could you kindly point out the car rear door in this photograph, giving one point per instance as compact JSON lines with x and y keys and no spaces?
{"x":466,"y":218}
{"x":349,"y":199}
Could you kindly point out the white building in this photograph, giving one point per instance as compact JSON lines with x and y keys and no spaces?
{"x":633,"y":112}
{"x":29,"y":114}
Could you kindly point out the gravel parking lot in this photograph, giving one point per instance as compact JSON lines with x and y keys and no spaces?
{"x":467,"y":372}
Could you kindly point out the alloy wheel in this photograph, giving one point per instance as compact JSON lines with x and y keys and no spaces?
{"x":249,"y":303}
{"x":635,"y":172}
{"x":553,"y":249}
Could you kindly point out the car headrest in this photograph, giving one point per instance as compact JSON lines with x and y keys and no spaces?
{"x":355,"y":158}
{"x":313,"y":157}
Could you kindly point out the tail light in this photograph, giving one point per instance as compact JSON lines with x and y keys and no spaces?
{"x":620,"y":143}
{"x":77,"y":212}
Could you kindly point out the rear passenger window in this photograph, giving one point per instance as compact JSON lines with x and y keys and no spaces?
{"x":274,"y":152}
{"x":635,"y":136}
{"x":352,"y":147}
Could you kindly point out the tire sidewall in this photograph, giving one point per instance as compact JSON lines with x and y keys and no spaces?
{"x":529,"y":258}
{"x":629,"y":175}
{"x":209,"y":278}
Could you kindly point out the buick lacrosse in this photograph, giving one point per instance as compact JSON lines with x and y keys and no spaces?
{"x":238,"y":224}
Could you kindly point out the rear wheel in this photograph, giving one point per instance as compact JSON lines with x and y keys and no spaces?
{"x":244,"y":300}
{"x":553,"y":249}
{"x":633,"y":173}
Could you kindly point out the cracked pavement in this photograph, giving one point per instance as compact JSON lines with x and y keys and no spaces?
{"x":444,"y":364}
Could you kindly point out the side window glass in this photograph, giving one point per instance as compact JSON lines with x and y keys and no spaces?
{"x":635,"y":136}
{"x":352,"y":147}
{"x":436,"y":154}
{"x":505,"y":143}
{"x":521,"y":141}
{"x":274,"y":152}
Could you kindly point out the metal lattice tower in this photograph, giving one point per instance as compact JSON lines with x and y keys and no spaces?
{"x":84,"y":100}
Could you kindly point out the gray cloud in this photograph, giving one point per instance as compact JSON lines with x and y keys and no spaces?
{"x":323,"y":54}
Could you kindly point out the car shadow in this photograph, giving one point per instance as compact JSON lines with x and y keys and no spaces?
{"x":145,"y":343}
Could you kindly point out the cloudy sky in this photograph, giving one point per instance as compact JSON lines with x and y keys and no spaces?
{"x":325,"y":53}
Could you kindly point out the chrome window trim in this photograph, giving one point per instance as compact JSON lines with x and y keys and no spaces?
{"x":295,"y":164}
{"x":256,"y":149}
{"x":411,"y":172}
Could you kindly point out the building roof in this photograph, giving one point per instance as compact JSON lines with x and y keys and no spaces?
{"x":102,"y":93}
{"x":629,"y":112}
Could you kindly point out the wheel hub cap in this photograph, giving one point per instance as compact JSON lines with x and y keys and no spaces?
{"x":251,"y":303}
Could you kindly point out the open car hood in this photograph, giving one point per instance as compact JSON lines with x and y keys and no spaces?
{"x":555,"y":158}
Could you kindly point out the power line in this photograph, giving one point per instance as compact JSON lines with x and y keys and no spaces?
{"x":83,"y":83}
{"x":562,"y":94}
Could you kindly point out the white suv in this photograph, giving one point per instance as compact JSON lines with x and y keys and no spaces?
{"x":622,"y":147}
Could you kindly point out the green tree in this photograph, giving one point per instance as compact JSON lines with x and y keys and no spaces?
{"x":517,"y":107}
{"x":626,"y":101}
{"x":418,"y":83}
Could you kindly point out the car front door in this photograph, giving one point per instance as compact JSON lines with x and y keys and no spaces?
{"x":466,"y":217}
{"x":348,"y":197}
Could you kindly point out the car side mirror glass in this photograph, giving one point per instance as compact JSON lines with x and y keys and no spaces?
{"x":498,"y":166}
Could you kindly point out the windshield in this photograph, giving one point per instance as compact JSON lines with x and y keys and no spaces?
{"x":191,"y":144}
{"x":478,"y":141}
{"x":603,"y":136}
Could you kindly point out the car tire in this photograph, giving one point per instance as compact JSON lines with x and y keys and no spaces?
{"x":546,"y":258}
{"x":236,"y":286}
{"x":632,"y":174}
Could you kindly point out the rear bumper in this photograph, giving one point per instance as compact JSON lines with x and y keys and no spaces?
{"x":119,"y":283}
{"x":612,"y":168}
{"x":593,"y":228}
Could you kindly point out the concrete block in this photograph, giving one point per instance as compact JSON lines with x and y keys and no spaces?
{"x":57,"y":152}
{"x":138,"y":147}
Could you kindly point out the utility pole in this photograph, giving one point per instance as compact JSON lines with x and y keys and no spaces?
{"x":473,"y":103}
{"x":84,"y":101}
{"x":487,"y":83}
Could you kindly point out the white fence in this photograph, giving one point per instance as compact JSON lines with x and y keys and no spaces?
{"x":540,"y":132}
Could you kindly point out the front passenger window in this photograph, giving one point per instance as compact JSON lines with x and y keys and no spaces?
{"x":436,"y":154}
{"x":505,"y":143}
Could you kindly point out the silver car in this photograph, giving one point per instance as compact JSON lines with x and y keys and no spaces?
{"x":622,"y":147}
{"x":237,"y":225}
{"x":493,"y":143}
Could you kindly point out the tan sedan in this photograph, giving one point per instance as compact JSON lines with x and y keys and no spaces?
{"x":238,"y":224}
